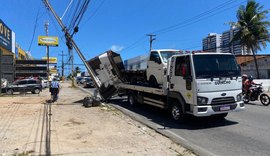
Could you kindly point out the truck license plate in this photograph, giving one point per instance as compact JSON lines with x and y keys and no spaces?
{"x":224,"y":108}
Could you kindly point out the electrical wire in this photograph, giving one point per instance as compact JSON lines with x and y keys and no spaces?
{"x":95,"y":12}
{"x":191,"y":20}
{"x":196,"y":18}
{"x":35,"y":27}
{"x":135,"y":43}
{"x":78,"y":14}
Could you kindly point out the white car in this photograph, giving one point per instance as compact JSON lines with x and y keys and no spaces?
{"x":45,"y":83}
{"x":4,"y":83}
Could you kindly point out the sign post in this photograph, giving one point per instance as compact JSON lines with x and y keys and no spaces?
{"x":48,"y":41}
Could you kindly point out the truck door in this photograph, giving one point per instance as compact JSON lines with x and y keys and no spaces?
{"x":181,"y":79}
{"x":154,"y":67}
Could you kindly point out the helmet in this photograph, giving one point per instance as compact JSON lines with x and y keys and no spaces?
{"x":244,"y":76}
{"x":250,"y":78}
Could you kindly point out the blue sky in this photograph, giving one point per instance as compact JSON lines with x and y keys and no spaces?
{"x":122,"y":25}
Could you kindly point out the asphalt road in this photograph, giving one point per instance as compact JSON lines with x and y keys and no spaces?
{"x":244,"y":133}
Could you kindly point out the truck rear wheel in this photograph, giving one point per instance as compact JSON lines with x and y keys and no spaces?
{"x":131,"y":99}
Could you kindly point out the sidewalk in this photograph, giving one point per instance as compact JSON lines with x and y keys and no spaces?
{"x":26,"y":126}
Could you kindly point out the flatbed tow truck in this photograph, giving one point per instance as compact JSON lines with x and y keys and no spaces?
{"x":200,"y":84}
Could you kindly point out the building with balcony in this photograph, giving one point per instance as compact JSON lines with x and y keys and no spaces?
{"x":235,"y":48}
{"x":212,"y":43}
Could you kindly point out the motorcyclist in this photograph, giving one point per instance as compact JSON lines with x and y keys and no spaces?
{"x":248,"y":84}
{"x":244,"y":79}
{"x":54,"y":89}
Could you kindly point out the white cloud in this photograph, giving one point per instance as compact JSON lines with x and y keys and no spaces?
{"x":117,"y":48}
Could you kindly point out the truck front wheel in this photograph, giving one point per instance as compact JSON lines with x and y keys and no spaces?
{"x":176,"y":111}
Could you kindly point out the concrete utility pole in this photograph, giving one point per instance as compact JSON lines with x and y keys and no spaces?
{"x":151,"y":39}
{"x":47,"y":50}
{"x":63,"y":66}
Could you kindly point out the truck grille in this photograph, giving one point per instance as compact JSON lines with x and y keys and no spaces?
{"x":222,"y":100}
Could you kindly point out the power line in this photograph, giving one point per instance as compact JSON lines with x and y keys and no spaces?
{"x":77,"y":16}
{"x":192,"y":22}
{"x":94,"y":13}
{"x":35,"y":26}
{"x":143,"y":38}
{"x":197,"y":17}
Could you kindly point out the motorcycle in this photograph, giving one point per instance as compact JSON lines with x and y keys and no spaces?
{"x":257,"y":94}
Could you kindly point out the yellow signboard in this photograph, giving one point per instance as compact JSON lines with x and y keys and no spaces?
{"x":53,"y":71}
{"x":51,"y":59}
{"x":48,"y":41}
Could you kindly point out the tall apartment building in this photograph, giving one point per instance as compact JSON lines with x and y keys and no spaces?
{"x":220,"y":43}
{"x":212,"y":43}
{"x":236,"y":48}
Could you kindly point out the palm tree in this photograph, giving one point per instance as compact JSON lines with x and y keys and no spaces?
{"x":252,"y":25}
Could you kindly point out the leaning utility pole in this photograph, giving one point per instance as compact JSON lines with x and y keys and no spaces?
{"x":69,"y":39}
{"x":47,"y":50}
{"x":151,"y":40}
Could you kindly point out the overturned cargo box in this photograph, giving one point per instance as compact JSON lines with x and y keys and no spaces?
{"x":108,"y":71}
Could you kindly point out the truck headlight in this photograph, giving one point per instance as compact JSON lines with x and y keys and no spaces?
{"x":239,"y":97}
{"x":202,"y":100}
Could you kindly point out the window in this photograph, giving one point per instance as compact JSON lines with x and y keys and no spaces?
{"x":179,"y":65}
{"x":182,"y":66}
{"x":165,"y":55}
{"x":32,"y":82}
{"x":22,"y":82}
{"x":154,"y":57}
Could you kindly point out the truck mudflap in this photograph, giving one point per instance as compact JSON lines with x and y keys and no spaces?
{"x":209,"y":110}
{"x":108,"y":73}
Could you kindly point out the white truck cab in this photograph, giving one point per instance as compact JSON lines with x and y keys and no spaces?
{"x":208,"y":83}
{"x":157,"y":65}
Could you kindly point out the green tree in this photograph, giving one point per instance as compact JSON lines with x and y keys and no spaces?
{"x":77,"y":70}
{"x":252,"y":25}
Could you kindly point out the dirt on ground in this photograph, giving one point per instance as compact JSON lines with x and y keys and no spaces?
{"x":29,"y":125}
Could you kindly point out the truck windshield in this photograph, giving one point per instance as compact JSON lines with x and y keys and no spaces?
{"x":167,"y":54}
{"x":210,"y":66}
